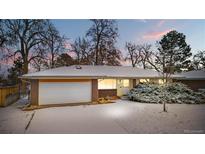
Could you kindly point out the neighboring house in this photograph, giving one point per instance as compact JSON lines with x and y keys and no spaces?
{"x":193,"y":79}
{"x":85,"y":83}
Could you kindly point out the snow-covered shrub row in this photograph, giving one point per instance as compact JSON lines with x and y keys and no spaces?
{"x":170,"y":93}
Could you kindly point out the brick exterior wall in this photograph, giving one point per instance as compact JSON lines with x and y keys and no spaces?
{"x":134,"y":83}
{"x":34,"y":92}
{"x":107,"y":92}
{"x":94,"y":90}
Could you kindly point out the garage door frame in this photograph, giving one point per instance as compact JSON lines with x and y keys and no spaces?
{"x":60,"y":81}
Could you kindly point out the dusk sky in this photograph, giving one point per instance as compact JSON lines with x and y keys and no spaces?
{"x":141,"y":31}
{"x":137,"y":31}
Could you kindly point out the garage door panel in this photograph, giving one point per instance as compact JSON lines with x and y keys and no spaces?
{"x":64,"y":92}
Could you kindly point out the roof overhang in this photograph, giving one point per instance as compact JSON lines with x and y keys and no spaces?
{"x":189,"y":78}
{"x":89,"y":77}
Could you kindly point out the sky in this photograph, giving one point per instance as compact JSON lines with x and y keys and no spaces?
{"x":140,"y":31}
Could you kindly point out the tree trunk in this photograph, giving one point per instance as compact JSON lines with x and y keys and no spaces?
{"x":52,"y":60}
{"x":25,"y":67}
{"x":164,"y":102}
{"x":164,"y":106}
{"x":144,"y":65}
{"x":97,"y":50}
{"x":96,"y":56}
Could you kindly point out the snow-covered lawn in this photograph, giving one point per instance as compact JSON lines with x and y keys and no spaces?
{"x":120,"y":117}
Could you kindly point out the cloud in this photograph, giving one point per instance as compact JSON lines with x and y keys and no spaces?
{"x":155,"y":35}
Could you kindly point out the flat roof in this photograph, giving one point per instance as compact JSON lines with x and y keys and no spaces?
{"x":194,"y":75}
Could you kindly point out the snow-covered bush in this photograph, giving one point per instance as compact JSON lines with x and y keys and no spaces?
{"x":170,"y":93}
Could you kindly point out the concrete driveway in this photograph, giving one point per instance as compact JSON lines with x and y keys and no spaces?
{"x":120,"y":117}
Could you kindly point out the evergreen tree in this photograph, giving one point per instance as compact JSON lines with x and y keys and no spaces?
{"x":174,"y":52}
{"x":15,"y":71}
{"x":64,"y":60}
{"x":199,"y":60}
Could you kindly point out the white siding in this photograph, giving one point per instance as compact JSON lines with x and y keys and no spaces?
{"x":64,"y":92}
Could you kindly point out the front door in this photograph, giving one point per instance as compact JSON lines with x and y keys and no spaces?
{"x":122,"y":87}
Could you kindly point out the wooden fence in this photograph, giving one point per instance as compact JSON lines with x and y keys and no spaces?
{"x":9,"y":94}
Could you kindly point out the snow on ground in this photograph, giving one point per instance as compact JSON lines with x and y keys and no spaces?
{"x":120,"y":117}
{"x":13,"y":119}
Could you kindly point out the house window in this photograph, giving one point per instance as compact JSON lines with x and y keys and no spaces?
{"x":124,"y":83}
{"x":107,"y":84}
{"x":144,"y":80}
{"x":161,"y":81}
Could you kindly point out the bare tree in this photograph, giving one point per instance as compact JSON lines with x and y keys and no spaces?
{"x":81,"y":48}
{"x":112,"y":57}
{"x":2,"y":35}
{"x":39,"y":64}
{"x":147,"y":55}
{"x":21,"y":36}
{"x":53,"y":44}
{"x":102,"y":36}
{"x":134,"y":55}
{"x":109,"y":55}
{"x":163,"y":68}
{"x":142,"y":55}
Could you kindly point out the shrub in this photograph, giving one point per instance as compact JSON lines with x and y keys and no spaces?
{"x":170,"y":93}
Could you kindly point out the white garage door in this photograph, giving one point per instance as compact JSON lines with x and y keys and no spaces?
{"x":64,"y":92}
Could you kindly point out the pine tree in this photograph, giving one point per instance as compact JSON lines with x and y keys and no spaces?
{"x":174,"y":52}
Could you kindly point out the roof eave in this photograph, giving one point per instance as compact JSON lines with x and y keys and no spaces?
{"x":89,"y":77}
